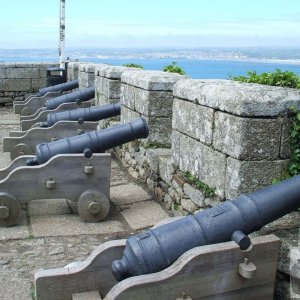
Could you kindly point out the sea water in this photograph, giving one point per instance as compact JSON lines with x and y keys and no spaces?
{"x":195,"y":68}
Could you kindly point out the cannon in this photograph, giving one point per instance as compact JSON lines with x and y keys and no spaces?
{"x":24,"y":143}
{"x":63,"y":172}
{"x":77,"y":96}
{"x":156,"y":249}
{"x":27,"y":122}
{"x":44,"y":102}
{"x":96,"y":141}
{"x":84,"y":114}
{"x":62,"y":87}
{"x":45,"y":93}
{"x":58,"y":126}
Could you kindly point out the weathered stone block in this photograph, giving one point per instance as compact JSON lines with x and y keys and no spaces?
{"x":151,"y":80}
{"x":194,"y":194}
{"x":115,"y":72}
{"x":285,"y":148}
{"x":111,"y":89}
{"x":148,"y":103}
{"x":193,"y":120}
{"x":175,"y":140}
{"x":160,"y":130}
{"x":22,"y":73}
{"x":128,"y":115}
{"x":154,"y":103}
{"x":128,"y":95}
{"x":153,"y":155}
{"x":243,"y":99}
{"x":166,"y":169}
{"x":100,"y":70}
{"x":38,"y":83}
{"x":86,"y":79}
{"x":100,"y":99}
{"x":2,"y":72}
{"x":15,"y":85}
{"x":202,"y":161}
{"x":73,"y":69}
{"x":189,"y":205}
{"x":248,"y":176}
{"x":247,"y":138}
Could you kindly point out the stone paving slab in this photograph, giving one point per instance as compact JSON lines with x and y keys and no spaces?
{"x":43,"y":226}
{"x":143,"y":214}
{"x":19,"y":231}
{"x":48,"y":207}
{"x":127,"y":194}
{"x":5,"y":160}
{"x":118,"y":177}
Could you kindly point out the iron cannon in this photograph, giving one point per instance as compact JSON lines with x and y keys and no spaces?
{"x":156,"y":249}
{"x":77,"y":96}
{"x":95,"y":141}
{"x":62,"y":87}
{"x":83,"y":114}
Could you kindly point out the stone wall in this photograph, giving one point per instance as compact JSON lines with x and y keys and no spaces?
{"x":86,"y":74}
{"x":149,"y":94}
{"x":17,"y":80}
{"x":73,"y":70}
{"x":227,"y":136}
{"x":108,"y":88}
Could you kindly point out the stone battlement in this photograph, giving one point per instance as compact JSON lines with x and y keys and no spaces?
{"x":19,"y":79}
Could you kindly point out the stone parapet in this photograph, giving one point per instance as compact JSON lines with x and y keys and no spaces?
{"x":149,"y":94}
{"x":108,"y":87}
{"x":86,"y":74}
{"x":19,"y":79}
{"x":232,"y":136}
{"x":73,"y":70}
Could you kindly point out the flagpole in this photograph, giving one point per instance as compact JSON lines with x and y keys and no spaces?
{"x":62,"y":27}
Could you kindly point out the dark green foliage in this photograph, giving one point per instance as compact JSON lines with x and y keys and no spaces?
{"x":206,"y":189}
{"x":174,"y":68}
{"x":133,"y":66}
{"x":294,"y":164}
{"x":277,"y":78}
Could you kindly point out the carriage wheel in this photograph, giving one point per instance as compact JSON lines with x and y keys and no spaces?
{"x":10,"y":210}
{"x":93,"y":206}
{"x":19,"y":150}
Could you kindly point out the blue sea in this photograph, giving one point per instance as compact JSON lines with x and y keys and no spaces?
{"x":198,"y":68}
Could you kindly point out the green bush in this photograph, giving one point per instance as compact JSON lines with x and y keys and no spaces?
{"x":277,"y":78}
{"x":133,"y":66}
{"x":174,"y":68}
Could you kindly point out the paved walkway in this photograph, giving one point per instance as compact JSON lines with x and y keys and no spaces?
{"x":50,"y":236}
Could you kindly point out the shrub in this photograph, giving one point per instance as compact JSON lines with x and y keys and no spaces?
{"x":174,"y":68}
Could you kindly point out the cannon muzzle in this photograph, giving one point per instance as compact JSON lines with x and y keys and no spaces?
{"x":156,"y":249}
{"x":95,"y":141}
{"x":62,"y":87}
{"x":77,"y":96}
{"x":84,"y":114}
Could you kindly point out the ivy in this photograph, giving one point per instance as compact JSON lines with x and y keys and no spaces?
{"x":294,"y":164}
{"x":206,"y":189}
{"x":174,"y":68}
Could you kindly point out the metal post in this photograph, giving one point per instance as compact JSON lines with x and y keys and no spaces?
{"x":62,"y":27}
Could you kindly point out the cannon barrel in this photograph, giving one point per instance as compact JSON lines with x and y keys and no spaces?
{"x":156,"y":249}
{"x":95,"y":141}
{"x":62,"y":87}
{"x":84,"y":114}
{"x":77,"y":96}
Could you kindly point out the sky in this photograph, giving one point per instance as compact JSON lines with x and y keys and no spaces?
{"x":151,"y":23}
